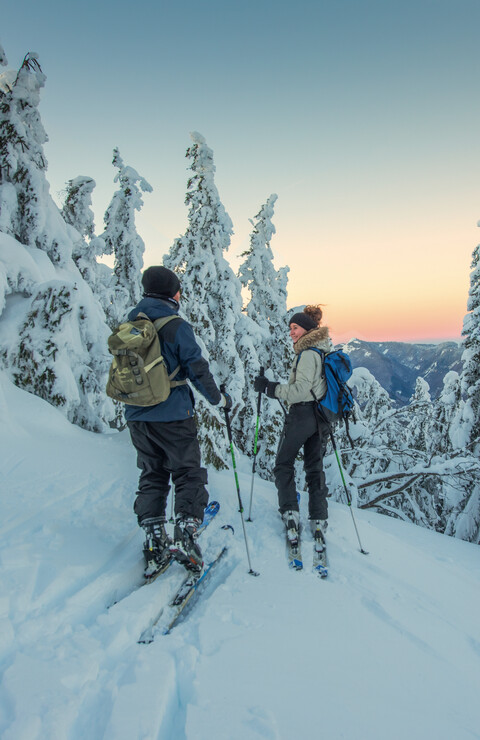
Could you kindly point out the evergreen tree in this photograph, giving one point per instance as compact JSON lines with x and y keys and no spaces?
{"x":78,"y":213}
{"x":77,"y":207}
{"x":374,"y":430}
{"x":445,"y":430}
{"x":371,"y":397}
{"x":60,"y":359}
{"x":211,"y":293}
{"x":471,"y":357}
{"x":54,"y":342}
{"x":244,"y":422}
{"x":122,"y":240}
{"x":24,"y":191}
{"x":267,"y":304}
{"x":420,"y":417}
{"x":267,"y":309}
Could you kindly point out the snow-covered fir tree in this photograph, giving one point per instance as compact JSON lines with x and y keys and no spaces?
{"x":267,"y":304}
{"x":122,"y":240}
{"x":420,"y":417}
{"x":77,"y":209}
{"x":445,"y":431}
{"x":77,"y":212}
{"x":471,"y":357}
{"x":456,"y":495}
{"x":267,"y":308}
{"x":59,"y":358}
{"x":373,"y":400}
{"x":373,"y":429}
{"x":245,"y":421}
{"x":52,"y":329}
{"x":464,"y":520}
{"x":26,"y":212}
{"x":211,"y":293}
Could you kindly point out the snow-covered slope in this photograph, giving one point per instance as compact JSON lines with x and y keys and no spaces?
{"x":387,"y":647}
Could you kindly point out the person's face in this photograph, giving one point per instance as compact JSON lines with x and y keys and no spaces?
{"x":176,"y":297}
{"x":296,"y":332}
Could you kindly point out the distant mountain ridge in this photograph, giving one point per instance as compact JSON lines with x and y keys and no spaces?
{"x":397,"y":365}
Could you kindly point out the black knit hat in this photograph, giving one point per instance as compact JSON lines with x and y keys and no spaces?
{"x":160,"y":281}
{"x":303,"y":320}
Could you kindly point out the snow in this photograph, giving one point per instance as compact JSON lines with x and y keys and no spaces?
{"x":388,"y":646}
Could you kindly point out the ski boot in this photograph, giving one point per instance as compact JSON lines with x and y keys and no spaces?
{"x":319,"y":528}
{"x":185,"y":548}
{"x":156,"y":549}
{"x":291,"y":519}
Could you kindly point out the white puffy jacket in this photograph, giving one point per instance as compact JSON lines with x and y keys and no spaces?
{"x":306,"y":376}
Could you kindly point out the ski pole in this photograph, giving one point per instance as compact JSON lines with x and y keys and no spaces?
{"x":255,"y":446}
{"x":349,"y":498}
{"x":240,"y":505}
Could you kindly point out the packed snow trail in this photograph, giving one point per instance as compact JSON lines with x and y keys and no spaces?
{"x":387,"y":646}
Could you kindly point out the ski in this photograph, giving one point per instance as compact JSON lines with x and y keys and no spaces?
{"x":320,"y":566}
{"x":211,"y":510}
{"x":169,"y":615}
{"x":187,"y":590}
{"x":295,"y":561}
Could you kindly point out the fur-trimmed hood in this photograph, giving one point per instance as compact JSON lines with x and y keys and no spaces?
{"x":314,"y":338}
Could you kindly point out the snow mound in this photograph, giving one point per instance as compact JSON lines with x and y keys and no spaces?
{"x":387,"y":647}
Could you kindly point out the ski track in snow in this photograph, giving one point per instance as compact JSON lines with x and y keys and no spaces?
{"x":387,"y":646}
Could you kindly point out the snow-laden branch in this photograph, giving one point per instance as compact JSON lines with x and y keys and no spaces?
{"x":443,"y":468}
{"x":457,"y":466}
{"x":389,"y":494}
{"x":403,"y":411}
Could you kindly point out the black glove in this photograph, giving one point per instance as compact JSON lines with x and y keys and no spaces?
{"x":226,"y":401}
{"x":270,"y":390}
{"x":260,"y":384}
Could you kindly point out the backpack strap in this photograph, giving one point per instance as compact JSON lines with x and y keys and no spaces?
{"x":159,"y":324}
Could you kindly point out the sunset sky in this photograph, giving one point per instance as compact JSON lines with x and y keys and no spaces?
{"x":362,"y":115}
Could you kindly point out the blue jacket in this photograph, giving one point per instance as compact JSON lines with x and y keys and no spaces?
{"x":179,"y":347}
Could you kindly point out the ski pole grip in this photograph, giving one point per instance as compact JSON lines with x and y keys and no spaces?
{"x":225,"y":411}
{"x":227,"y":421}
{"x":262,"y":372}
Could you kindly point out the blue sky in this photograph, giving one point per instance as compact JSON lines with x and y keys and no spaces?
{"x":362,"y":117}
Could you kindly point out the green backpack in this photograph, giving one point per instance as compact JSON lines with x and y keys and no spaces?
{"x":138,"y":374}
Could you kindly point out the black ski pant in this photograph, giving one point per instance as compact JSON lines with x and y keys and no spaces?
{"x":303,"y":428}
{"x":168,"y":450}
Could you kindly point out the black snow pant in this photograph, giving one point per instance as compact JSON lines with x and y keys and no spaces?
{"x":303,"y":428}
{"x":168,"y":449}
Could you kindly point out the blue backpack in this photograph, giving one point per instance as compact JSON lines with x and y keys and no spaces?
{"x":337,"y":403}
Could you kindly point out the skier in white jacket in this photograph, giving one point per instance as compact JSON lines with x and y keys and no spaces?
{"x":303,"y":427}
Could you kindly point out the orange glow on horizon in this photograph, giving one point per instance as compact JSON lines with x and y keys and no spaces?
{"x":414,"y":323}
{"x":421,"y":318}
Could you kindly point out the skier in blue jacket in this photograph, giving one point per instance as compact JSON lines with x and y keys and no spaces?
{"x":165,"y":435}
